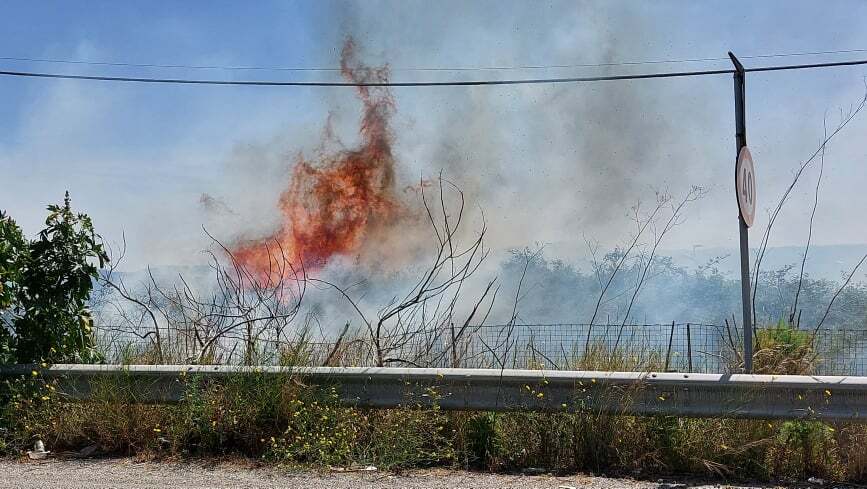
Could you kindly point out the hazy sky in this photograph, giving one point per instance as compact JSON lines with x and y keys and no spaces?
{"x":547,"y":163}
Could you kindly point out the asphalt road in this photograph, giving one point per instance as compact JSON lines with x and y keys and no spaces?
{"x":129,"y":474}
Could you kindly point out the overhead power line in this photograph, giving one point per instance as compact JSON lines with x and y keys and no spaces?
{"x":455,"y":83}
{"x":420,"y":69}
{"x":807,"y":66}
{"x":526,"y":81}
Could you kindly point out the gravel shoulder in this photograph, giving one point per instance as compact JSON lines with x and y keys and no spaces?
{"x":128,"y":473}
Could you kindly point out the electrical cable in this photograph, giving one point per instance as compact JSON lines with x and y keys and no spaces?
{"x":421,"y":69}
{"x":526,"y":81}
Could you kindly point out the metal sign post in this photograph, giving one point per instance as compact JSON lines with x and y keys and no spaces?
{"x":745,"y":188}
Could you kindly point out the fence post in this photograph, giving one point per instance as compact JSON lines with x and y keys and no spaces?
{"x":668,"y":352}
{"x":689,"y":347}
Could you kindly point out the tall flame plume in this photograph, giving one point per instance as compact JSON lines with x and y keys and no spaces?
{"x":331,"y":204}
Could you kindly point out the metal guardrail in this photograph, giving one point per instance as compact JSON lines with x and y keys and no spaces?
{"x":626,"y":393}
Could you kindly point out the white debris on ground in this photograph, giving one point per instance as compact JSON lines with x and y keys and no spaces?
{"x":130,"y":474}
{"x":38,"y":452}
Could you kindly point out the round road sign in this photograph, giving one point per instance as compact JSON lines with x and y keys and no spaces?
{"x":745,"y":186}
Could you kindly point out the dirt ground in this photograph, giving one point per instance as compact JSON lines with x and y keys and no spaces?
{"x":128,"y":474}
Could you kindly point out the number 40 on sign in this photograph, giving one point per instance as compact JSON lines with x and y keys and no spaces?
{"x":745,"y":184}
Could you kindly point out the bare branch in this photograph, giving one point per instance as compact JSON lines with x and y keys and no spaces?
{"x":763,"y":246}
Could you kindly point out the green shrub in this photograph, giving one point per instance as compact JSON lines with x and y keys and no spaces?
{"x":805,"y":448}
{"x":13,"y":254}
{"x":44,"y":288}
{"x":55,"y":324}
{"x":320,"y":431}
{"x":483,"y":446}
{"x":238,"y":414}
{"x":405,"y":437}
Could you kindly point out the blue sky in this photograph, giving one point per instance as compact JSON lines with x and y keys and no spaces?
{"x":138,"y":158}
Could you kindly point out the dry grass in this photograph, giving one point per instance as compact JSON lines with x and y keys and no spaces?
{"x":281,"y":421}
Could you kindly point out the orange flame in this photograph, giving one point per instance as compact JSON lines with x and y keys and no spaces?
{"x":330,"y":205}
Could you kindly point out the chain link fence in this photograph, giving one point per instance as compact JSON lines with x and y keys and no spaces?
{"x":675,"y":347}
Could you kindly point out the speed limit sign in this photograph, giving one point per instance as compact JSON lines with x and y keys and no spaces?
{"x":745,"y":183}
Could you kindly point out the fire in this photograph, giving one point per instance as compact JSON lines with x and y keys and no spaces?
{"x":330,"y":205}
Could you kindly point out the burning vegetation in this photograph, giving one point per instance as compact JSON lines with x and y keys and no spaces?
{"x":332,"y":203}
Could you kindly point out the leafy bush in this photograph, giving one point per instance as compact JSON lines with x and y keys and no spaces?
{"x":45,"y":285}
{"x":319,"y":431}
{"x":240,"y":413}
{"x":323,"y":432}
{"x":805,"y":448}
{"x":482,"y":445}
{"x":13,"y":253}
{"x":13,"y":250}
{"x":405,"y":437}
